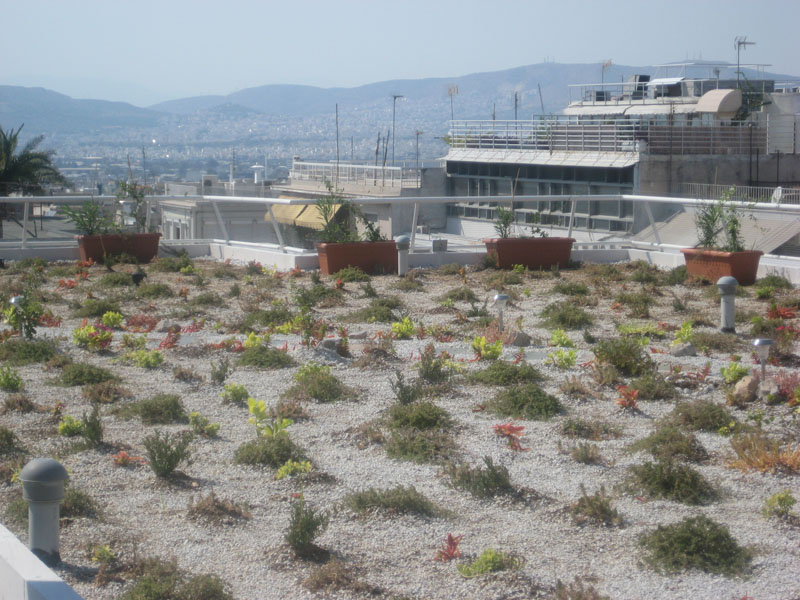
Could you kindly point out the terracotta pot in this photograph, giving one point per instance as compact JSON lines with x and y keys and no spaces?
{"x":370,"y":257}
{"x":534,"y":253}
{"x":143,"y":246}
{"x":713,"y":264}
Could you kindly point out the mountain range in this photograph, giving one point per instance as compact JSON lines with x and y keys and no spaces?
{"x":297,"y":118}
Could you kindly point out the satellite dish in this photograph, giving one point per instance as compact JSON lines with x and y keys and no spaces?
{"x":777,"y":195}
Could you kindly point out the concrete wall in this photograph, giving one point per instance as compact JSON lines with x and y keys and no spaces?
{"x":25,"y":577}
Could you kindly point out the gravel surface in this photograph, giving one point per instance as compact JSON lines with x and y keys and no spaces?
{"x":143,"y":516}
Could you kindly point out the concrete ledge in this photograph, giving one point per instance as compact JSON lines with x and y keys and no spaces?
{"x":25,"y":577}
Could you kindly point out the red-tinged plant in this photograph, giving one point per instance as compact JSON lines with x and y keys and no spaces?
{"x":5,"y":334}
{"x":421,"y":333}
{"x":194,"y":327}
{"x":449,"y":549}
{"x":82,"y":275}
{"x":85,"y":264}
{"x":781,"y":312}
{"x":519,"y":356}
{"x":184,"y":292}
{"x":123,"y":459}
{"x":512,"y":433}
{"x":227,"y":261}
{"x":654,"y":350}
{"x":295,"y":272}
{"x":48,"y":319}
{"x":627,"y":397}
{"x":58,"y":409}
{"x":342,"y":332}
{"x":66,"y":284}
{"x":787,"y":382}
{"x":285,"y":347}
{"x":701,"y":375}
{"x":140,"y":323}
{"x":666,"y":327}
{"x":170,"y":340}
{"x":339,"y":284}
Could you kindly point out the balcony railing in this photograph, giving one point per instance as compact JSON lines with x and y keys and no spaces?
{"x":741,"y":193}
{"x":569,"y":134}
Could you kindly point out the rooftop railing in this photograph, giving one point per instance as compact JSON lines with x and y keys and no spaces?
{"x":741,"y":193}
{"x":366,"y":175}
{"x":571,"y":133}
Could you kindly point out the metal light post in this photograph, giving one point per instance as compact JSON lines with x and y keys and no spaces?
{"x":394,"y":103}
{"x":500,"y":301}
{"x":727,"y":291}
{"x":762,"y":346}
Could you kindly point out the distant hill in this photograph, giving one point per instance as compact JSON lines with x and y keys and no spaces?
{"x":46,"y":111}
{"x":284,"y":120}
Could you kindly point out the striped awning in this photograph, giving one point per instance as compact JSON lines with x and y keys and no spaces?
{"x":286,"y":214}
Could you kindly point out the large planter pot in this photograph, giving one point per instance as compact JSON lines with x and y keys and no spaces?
{"x":713,"y":264}
{"x":370,"y":257}
{"x":534,"y":253}
{"x":142,"y":246}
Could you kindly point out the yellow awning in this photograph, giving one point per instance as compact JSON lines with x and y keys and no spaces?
{"x":311,"y":218}
{"x":286,"y":214}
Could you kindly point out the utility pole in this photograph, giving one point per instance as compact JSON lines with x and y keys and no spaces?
{"x":738,"y":42}
{"x":337,"y":144}
{"x":394,"y":103}
{"x":418,"y":133}
{"x":516,"y":103}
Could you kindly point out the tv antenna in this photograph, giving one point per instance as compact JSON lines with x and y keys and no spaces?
{"x":452,"y":90}
{"x":738,"y":42}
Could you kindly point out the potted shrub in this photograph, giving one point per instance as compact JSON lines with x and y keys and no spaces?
{"x":536,"y":252}
{"x":99,"y":236}
{"x":340,"y":245}
{"x":712,"y":260}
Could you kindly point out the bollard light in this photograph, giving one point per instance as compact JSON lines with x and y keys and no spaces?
{"x":500,"y":301}
{"x":727,"y":291}
{"x":16,"y":302}
{"x":43,"y":489}
{"x":403,"y":243}
{"x":762,"y":346}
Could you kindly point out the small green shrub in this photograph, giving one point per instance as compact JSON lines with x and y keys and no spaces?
{"x":9,"y":443}
{"x":69,"y":426}
{"x":728,"y":343}
{"x":586,"y":454}
{"x":652,"y":386}
{"x":434,"y":368}
{"x":482,"y":482}
{"x":18,"y":352}
{"x":590,"y":430}
{"x":163,"y":580}
{"x":220,"y":371}
{"x":638,"y":303}
{"x":733,"y":372}
{"x":305,"y":524}
{"x":272,"y":317}
{"x":527,"y":401}
{"x":97,"y":307}
{"x":145,"y":359}
{"x":671,"y":481}
{"x":422,"y":414}
{"x":106,"y":392}
{"x":571,"y":288}
{"x":92,"y":427}
{"x":565,"y":315}
{"x":562,"y":359}
{"x":202,"y":426}
{"x":235,"y":393}
{"x":293,"y":467}
{"x":273,"y":451}
{"x":84,"y":374}
{"x":775,"y":281}
{"x":406,"y":393}
{"x":485,"y":350}
{"x":18,"y":402}
{"x":596,"y":508}
{"x":779,"y":505}
{"x":695,"y":543}
{"x":207,"y":299}
{"x":316,"y":382}
{"x":396,"y":500}
{"x":459,"y":294}
{"x":577,"y":591}
{"x":378,"y":311}
{"x":161,"y":409}
{"x":403,"y":330}
{"x":265,"y":357}
{"x":702,"y":415}
{"x":505,"y":373}
{"x":152,"y":291}
{"x":217,"y":511}
{"x":116,"y":279}
{"x":420,"y":446}
{"x":490,"y":561}
{"x":166,"y":451}
{"x":172,"y":264}
{"x":560,"y":339}
{"x":10,"y":380}
{"x":307,"y":298}
{"x":625,"y":354}
{"x":350,"y":275}
{"x":669,"y":442}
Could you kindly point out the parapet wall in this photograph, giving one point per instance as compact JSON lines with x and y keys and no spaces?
{"x":25,"y":577}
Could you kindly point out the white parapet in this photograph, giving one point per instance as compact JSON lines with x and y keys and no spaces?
{"x":25,"y":577}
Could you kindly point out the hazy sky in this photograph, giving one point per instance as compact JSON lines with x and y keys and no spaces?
{"x":146,"y":51}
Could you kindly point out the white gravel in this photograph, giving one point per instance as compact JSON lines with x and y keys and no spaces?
{"x":395,"y":553}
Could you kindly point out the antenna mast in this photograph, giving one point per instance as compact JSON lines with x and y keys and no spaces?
{"x":738,"y":42}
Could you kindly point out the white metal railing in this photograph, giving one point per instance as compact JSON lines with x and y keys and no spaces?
{"x":791,"y":210}
{"x":742,"y":193}
{"x":367,"y":175}
{"x":573,"y":133}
